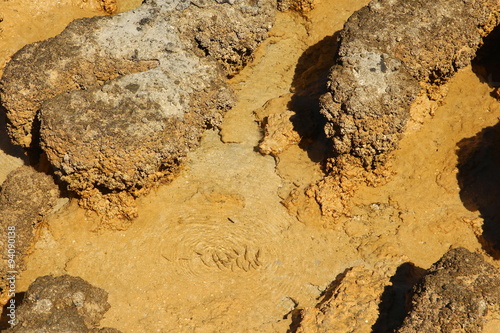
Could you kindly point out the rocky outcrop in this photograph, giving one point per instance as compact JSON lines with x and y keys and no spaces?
{"x":455,"y":295}
{"x":172,"y":35}
{"x":388,"y":51}
{"x":392,"y":60}
{"x":62,"y":304}
{"x":26,"y":196}
{"x":119,"y":101}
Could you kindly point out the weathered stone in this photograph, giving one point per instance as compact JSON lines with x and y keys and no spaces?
{"x":61,"y":304}
{"x":275,"y":120}
{"x":349,"y":305}
{"x":159,"y":33}
{"x":228,"y":30}
{"x":26,"y":196}
{"x":388,"y":51}
{"x":121,"y":100}
{"x":455,"y":295}
{"x":301,"y":6}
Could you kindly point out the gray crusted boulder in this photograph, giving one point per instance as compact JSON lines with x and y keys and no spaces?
{"x":455,"y":295}
{"x":169,"y":34}
{"x":228,"y":30}
{"x":62,"y":304}
{"x":26,"y":196}
{"x":120,"y":100}
{"x":388,"y":51}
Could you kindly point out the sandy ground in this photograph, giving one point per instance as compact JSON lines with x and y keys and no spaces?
{"x":216,"y":249}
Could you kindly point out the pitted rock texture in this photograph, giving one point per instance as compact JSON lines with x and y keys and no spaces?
{"x":62,"y":304}
{"x":26,"y":196}
{"x":301,"y":6}
{"x":455,"y":295}
{"x":228,"y":30}
{"x":388,"y":51}
{"x":92,"y":51}
{"x":121,"y":100}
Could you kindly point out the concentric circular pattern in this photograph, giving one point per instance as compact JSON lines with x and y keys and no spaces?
{"x":225,"y":246}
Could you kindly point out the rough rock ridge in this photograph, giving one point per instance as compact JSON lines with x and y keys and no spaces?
{"x":457,"y":293}
{"x":62,"y":304}
{"x":118,"y":101}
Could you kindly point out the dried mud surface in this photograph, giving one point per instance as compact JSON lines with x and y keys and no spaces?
{"x":237,"y":243}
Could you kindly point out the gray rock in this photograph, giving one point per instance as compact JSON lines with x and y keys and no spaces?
{"x":122,"y":99}
{"x":228,"y":30}
{"x":26,"y":196}
{"x":388,"y":50}
{"x":455,"y":295}
{"x":61,"y":304}
{"x":169,"y":34}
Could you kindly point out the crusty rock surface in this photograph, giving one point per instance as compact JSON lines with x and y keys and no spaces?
{"x":121,"y":100}
{"x":350,"y":305}
{"x":455,"y":295}
{"x":301,"y":6}
{"x":163,"y":33}
{"x":26,"y":196}
{"x":388,"y":51}
{"x":228,"y":30}
{"x":275,"y":120}
{"x":62,"y":304}
{"x":393,"y":57}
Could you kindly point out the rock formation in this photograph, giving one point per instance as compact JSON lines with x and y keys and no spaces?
{"x":62,"y":304}
{"x":456,"y":295}
{"x":459,"y":293}
{"x":350,"y":305}
{"x":388,"y":51}
{"x":119,"y":101}
{"x":26,"y":196}
{"x":392,"y":53}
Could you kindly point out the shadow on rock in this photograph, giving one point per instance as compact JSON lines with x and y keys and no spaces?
{"x":486,"y":65}
{"x":479,"y":181}
{"x":395,"y":298}
{"x":5,"y":145}
{"x":309,"y":83}
{"x":7,"y":315}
